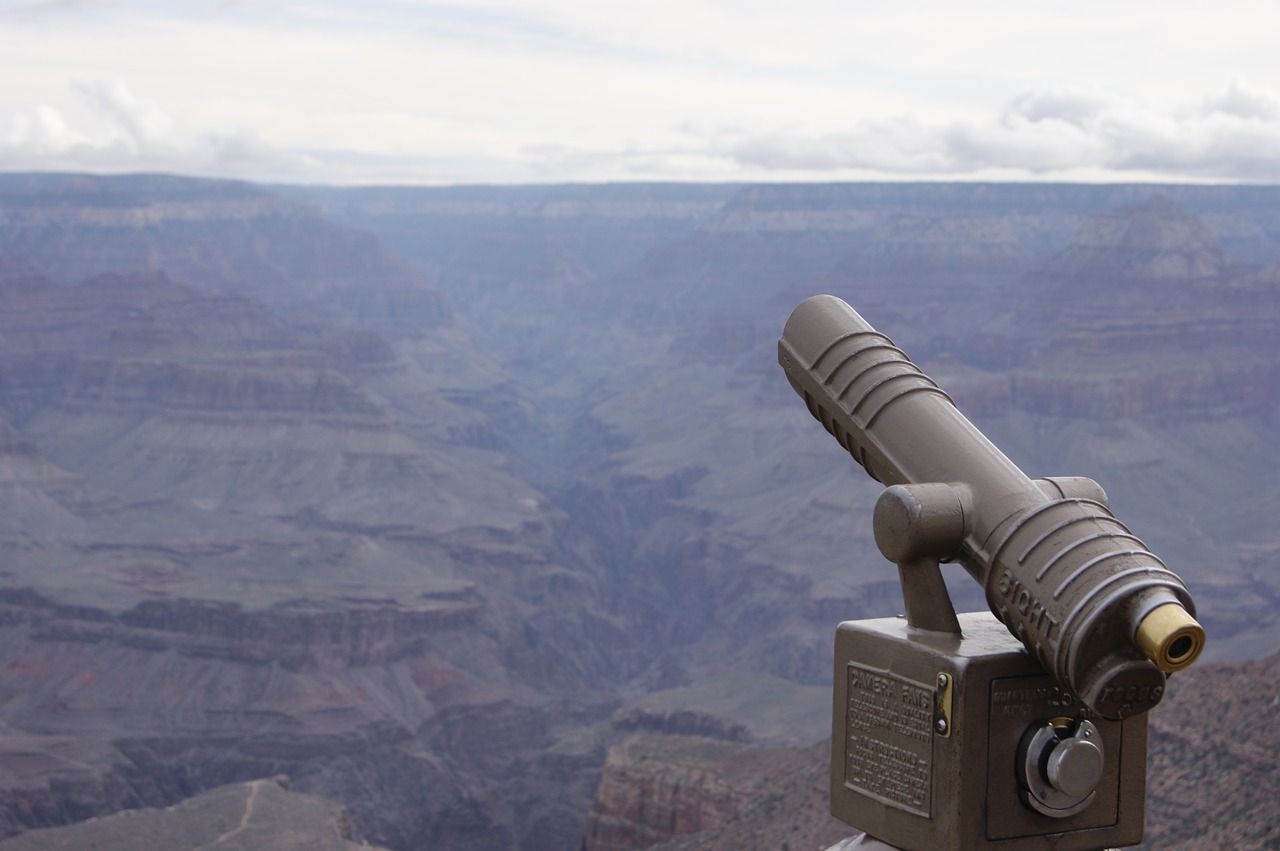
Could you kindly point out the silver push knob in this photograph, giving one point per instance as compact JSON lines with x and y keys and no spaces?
{"x":1061,"y":767}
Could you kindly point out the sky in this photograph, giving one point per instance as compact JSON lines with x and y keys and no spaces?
{"x":538,"y":91}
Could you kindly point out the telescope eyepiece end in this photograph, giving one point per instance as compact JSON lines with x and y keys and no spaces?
{"x":1170,"y":637}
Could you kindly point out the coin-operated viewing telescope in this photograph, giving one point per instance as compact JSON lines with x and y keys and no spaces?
{"x":963,"y":731}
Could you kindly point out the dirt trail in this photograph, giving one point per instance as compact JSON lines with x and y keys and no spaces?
{"x":249,"y":803}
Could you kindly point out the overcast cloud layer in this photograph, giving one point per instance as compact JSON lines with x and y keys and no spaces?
{"x":571,"y":90}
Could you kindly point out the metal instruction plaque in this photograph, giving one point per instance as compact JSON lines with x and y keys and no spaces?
{"x":888,"y":747}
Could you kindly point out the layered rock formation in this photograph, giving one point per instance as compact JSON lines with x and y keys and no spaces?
{"x":661,"y":788}
{"x":257,"y":522}
{"x":219,"y":236}
{"x":1212,"y":775}
{"x":275,"y":507}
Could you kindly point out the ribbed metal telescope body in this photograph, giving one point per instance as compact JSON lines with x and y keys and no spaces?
{"x":1064,"y":575}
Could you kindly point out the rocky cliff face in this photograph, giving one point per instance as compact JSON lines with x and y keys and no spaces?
{"x":191,"y":695}
{"x":277,"y":508}
{"x":218,"y":236}
{"x":659,"y":788}
{"x":258,"y":523}
{"x":1212,"y":769}
{"x":1102,"y":332}
{"x":57,"y":780}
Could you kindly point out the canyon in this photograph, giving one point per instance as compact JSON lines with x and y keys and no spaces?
{"x":486,"y":513}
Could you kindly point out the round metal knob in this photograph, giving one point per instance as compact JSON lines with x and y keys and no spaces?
{"x":1075,"y":767}
{"x":1061,"y":767}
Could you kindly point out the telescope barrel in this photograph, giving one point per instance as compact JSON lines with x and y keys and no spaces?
{"x":1097,"y":609}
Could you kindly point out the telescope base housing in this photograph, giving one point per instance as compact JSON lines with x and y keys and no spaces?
{"x":929,"y":730}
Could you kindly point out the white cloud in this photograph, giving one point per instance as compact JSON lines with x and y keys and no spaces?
{"x":35,"y":9}
{"x":1242,"y":100}
{"x":139,"y":123}
{"x":1233,"y":135}
{"x":520,"y":90}
{"x":1072,"y":106}
{"x":43,"y":132}
{"x":120,"y":131}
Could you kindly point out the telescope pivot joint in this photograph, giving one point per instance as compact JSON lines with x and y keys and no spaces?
{"x":917,"y":527}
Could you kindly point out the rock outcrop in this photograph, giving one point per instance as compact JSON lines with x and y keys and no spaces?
{"x":661,"y":788}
